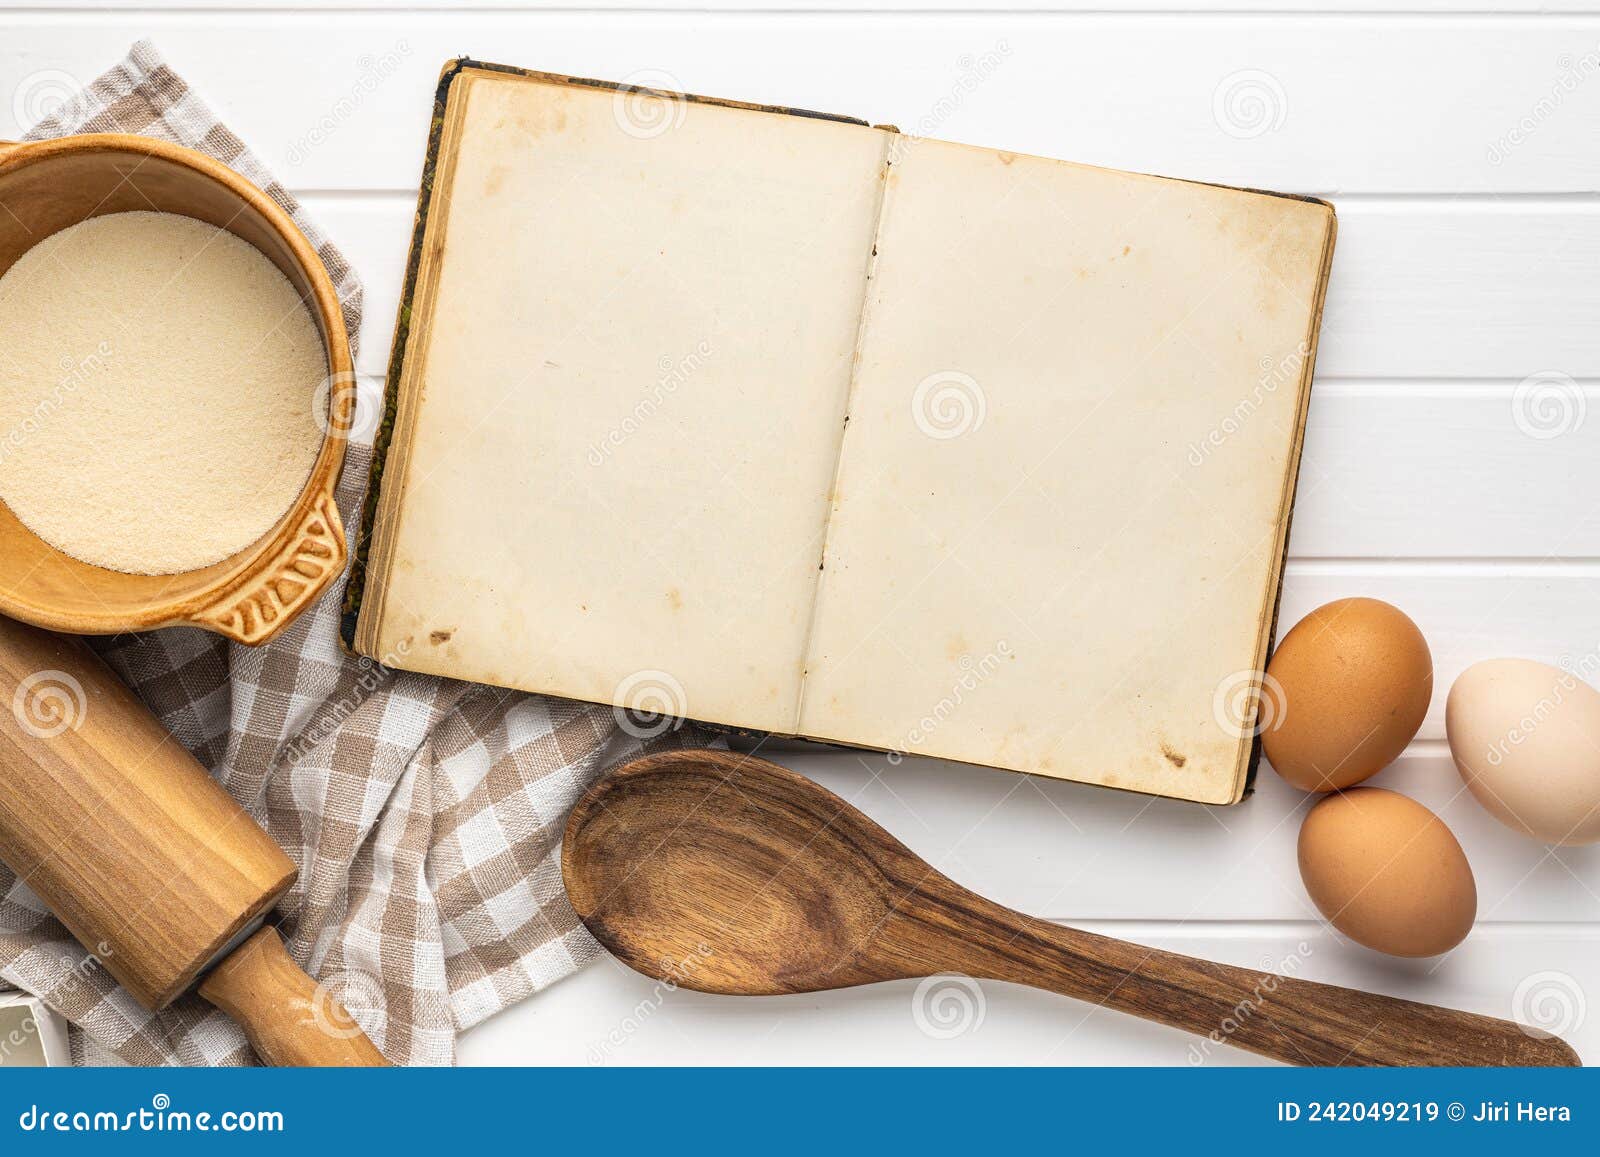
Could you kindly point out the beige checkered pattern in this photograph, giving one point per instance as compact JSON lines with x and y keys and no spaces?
{"x":425,"y":814}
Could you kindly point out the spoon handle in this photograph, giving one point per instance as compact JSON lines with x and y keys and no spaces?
{"x":1296,"y":1021}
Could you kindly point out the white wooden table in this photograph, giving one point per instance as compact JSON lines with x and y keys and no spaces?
{"x":1450,"y":467}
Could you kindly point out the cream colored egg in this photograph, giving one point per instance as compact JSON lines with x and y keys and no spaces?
{"x":1526,"y":739}
{"x":1387,"y":873}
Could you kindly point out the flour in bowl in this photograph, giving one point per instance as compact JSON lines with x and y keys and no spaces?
{"x":159,"y":380}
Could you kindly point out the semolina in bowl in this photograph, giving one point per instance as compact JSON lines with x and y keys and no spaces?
{"x":258,"y":587}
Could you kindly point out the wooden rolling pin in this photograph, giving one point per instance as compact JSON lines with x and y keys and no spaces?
{"x":151,"y":865}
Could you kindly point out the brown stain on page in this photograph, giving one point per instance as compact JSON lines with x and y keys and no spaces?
{"x":1173,"y":756}
{"x":550,"y":120}
{"x":1284,"y":246}
{"x":438,"y":638}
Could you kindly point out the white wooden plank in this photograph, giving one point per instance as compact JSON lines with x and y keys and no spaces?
{"x":607,"y":1015}
{"x":375,"y":235}
{"x":1406,"y":470}
{"x":1294,"y":102}
{"x":1464,"y":289}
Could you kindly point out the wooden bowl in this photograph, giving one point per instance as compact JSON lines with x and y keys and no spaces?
{"x":251,"y":595}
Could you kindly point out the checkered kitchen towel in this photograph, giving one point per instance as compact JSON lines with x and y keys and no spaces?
{"x":425,"y":814}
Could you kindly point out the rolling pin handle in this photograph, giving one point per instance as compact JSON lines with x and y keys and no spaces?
{"x":291,"y":1020}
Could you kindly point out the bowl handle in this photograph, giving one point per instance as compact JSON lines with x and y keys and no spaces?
{"x":287,"y":584}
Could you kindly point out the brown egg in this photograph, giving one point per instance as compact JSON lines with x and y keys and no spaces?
{"x":1345,"y":692}
{"x":1387,"y":873}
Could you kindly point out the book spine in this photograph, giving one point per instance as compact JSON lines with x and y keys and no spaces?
{"x":355,"y":585}
{"x":892,"y":141}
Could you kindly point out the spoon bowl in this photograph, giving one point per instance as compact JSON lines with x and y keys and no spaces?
{"x":786,"y":912}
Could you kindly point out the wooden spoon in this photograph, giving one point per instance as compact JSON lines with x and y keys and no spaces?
{"x":725,"y":873}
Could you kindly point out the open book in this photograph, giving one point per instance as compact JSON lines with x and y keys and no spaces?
{"x":801,"y":426}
